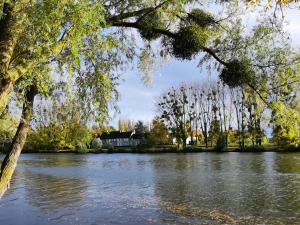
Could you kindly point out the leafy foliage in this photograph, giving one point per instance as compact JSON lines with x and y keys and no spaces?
{"x":8,"y":126}
{"x":159,"y":133}
{"x":126,"y":125}
{"x":218,"y":115}
{"x":192,"y":35}
{"x":59,"y":123}
{"x":96,"y":143}
{"x":148,"y":22}
{"x":200,"y":17}
{"x":286,"y":125}
{"x":71,"y":39}
{"x":140,"y":127}
{"x":237,"y":73}
{"x":189,"y":41}
{"x":59,"y":136}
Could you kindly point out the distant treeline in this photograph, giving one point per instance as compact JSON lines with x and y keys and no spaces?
{"x":216,"y":115}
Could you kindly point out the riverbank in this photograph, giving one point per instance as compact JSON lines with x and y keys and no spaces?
{"x":170,"y":149}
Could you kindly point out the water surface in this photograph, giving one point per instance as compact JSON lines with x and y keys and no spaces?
{"x":196,"y":188}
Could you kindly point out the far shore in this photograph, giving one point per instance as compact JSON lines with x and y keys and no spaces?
{"x":170,"y":149}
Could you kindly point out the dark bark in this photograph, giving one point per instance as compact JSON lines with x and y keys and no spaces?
{"x":238,"y":123}
{"x":10,"y":161}
{"x":191,"y":132}
{"x":184,"y":143}
{"x":205,"y":135}
{"x":11,"y":27}
{"x":243,"y":120}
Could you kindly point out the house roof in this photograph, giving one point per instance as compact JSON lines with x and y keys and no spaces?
{"x":115,"y":135}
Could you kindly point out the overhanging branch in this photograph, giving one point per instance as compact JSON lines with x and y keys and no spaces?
{"x":137,"y":26}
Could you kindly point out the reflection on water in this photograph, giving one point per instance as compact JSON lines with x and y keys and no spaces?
{"x":203,"y":188}
{"x":50,"y":192}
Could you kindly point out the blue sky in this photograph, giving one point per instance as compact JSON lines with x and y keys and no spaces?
{"x":137,"y":101}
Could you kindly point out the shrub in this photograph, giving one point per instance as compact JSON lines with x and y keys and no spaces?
{"x":109,"y":147}
{"x":221,"y":144}
{"x":81,"y":148}
{"x":96,"y":143}
{"x":56,"y":136}
{"x":255,"y":148}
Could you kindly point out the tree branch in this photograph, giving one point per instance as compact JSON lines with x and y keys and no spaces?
{"x":137,"y":26}
{"x":128,"y":15}
{"x":213,"y":54}
{"x":141,"y":12}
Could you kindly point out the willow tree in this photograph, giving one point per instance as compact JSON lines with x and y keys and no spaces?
{"x":69,"y":35}
{"x":54,"y":26}
{"x":55,"y":29}
{"x":58,"y":37}
{"x":84,"y":37}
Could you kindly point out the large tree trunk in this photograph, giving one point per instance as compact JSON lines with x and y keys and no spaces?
{"x":10,"y":161}
{"x":11,"y":27}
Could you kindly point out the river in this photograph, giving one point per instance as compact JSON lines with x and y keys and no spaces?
{"x":195,"y":188}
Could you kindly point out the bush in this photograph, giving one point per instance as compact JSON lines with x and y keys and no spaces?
{"x":81,"y":148}
{"x":221,"y":144}
{"x":57,"y":137}
{"x":255,"y":148}
{"x":109,"y":147}
{"x":96,"y":143}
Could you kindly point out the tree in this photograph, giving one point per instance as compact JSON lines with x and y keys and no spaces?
{"x":10,"y":161}
{"x":28,"y":61}
{"x":78,"y":26}
{"x":159,"y":133}
{"x":204,"y":108}
{"x":286,"y":125}
{"x":126,"y":125}
{"x":173,"y":107}
{"x":59,"y":124}
{"x":235,"y":114}
{"x":12,"y":18}
{"x":140,"y":128}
